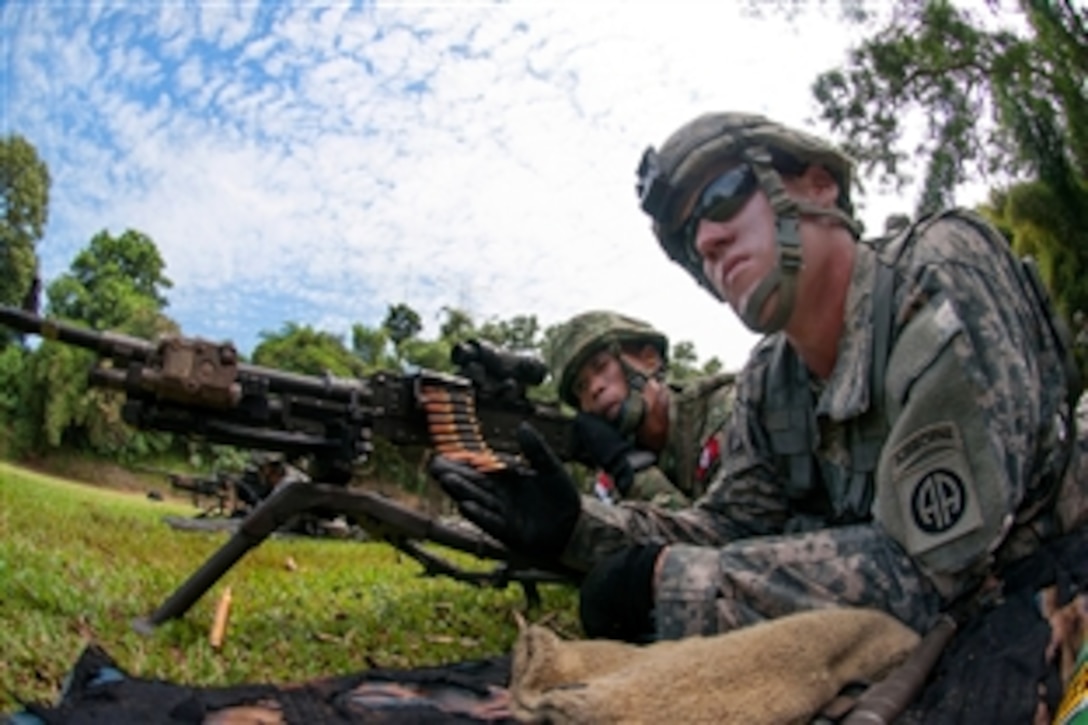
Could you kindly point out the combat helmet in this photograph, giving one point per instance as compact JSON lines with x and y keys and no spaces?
{"x":670,"y":181}
{"x":582,"y":336}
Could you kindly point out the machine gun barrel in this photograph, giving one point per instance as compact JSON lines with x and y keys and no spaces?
{"x":111,"y":344}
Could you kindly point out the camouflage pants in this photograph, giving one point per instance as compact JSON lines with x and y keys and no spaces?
{"x":704,"y":590}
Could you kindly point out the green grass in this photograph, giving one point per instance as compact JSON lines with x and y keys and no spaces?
{"x":78,"y":563}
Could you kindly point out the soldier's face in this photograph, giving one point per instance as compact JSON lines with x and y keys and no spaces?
{"x":740,"y":251}
{"x":601,"y":385}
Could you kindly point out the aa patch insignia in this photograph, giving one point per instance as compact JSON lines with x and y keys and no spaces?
{"x":936,"y":493}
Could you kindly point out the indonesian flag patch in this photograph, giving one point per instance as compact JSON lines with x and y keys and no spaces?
{"x":709,"y":457}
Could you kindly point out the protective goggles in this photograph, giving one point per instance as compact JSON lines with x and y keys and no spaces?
{"x":721,"y":199}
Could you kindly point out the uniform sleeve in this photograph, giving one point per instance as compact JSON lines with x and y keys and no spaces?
{"x":705,"y":591}
{"x":968,"y":404}
{"x":653,"y":486}
{"x":744,"y":500}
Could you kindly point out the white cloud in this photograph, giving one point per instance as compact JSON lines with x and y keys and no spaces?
{"x":326,"y":162}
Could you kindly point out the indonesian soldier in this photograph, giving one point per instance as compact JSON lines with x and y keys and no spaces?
{"x":650,"y":440}
{"x":266,"y":471}
{"x":901,"y":434}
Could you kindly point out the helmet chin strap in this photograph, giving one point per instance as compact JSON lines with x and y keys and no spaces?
{"x":783,"y":278}
{"x":632,"y":412}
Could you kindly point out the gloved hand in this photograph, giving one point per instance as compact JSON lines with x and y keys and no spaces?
{"x":598,"y":443}
{"x":617,"y":595}
{"x":531,"y":511}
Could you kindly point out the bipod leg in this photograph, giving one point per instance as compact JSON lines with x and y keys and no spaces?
{"x":286,"y":501}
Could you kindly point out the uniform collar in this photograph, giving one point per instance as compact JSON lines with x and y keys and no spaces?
{"x":689,"y":404}
{"x":846,"y":393}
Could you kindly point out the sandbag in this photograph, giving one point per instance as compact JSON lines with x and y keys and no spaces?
{"x":780,"y":671}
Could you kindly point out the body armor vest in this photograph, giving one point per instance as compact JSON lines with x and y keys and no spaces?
{"x":825,"y":493}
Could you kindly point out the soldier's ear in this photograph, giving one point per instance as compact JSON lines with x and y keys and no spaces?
{"x":644,"y":358}
{"x":815,"y":184}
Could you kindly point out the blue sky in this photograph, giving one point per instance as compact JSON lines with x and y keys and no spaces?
{"x":316,"y":162}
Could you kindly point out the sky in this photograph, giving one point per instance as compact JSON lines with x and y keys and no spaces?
{"x":316,"y":162}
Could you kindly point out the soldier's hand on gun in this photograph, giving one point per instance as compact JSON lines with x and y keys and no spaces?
{"x":531,"y":511}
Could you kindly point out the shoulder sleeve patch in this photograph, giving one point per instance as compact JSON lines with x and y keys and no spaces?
{"x":933,"y":482}
{"x":921,"y":344}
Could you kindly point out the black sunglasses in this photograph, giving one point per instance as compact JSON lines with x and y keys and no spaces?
{"x":722,"y":198}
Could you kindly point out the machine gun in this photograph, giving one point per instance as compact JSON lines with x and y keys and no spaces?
{"x":214,"y":493}
{"x":218,"y":488}
{"x":196,"y":387}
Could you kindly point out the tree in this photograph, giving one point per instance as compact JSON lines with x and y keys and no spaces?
{"x":371,"y":346}
{"x":302,"y":349}
{"x":24,"y":203}
{"x":713,"y":366}
{"x":457,"y":327}
{"x":429,"y":354}
{"x":683,"y":361}
{"x":937,"y":61}
{"x":16,"y":430}
{"x":519,"y":333}
{"x":1030,"y":216}
{"x":402,"y":323}
{"x":997,"y":101}
{"x":114,"y":283}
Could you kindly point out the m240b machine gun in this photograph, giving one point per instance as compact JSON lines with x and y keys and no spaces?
{"x":196,"y":387}
{"x":217,"y":488}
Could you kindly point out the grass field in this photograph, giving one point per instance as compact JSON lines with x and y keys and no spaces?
{"x":78,"y":563}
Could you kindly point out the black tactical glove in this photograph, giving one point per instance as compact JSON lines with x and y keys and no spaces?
{"x":617,"y":595}
{"x":598,"y":443}
{"x":531,"y":511}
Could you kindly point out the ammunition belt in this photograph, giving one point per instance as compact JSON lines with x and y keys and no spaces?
{"x":450,"y":406}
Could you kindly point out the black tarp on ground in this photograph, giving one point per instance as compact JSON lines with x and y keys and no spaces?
{"x":99,"y":691}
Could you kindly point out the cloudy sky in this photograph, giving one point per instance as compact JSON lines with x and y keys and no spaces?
{"x":317,"y":161}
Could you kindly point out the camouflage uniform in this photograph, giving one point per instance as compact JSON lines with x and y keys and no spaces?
{"x":974,"y":397}
{"x":692,"y":455}
{"x":254,"y":486}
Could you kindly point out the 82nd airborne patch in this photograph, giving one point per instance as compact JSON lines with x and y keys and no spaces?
{"x":936,"y":493}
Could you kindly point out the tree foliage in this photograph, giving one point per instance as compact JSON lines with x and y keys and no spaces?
{"x":24,"y":210}
{"x":684,"y":362}
{"x":16,"y":429}
{"x":402,"y":323}
{"x":520,"y":333}
{"x":457,"y":325}
{"x":1004,"y":103}
{"x":373,"y":347}
{"x":112,"y":284}
{"x":302,"y":349}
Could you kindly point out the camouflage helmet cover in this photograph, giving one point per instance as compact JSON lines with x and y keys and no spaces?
{"x":670,"y":179}
{"x":583,"y":335}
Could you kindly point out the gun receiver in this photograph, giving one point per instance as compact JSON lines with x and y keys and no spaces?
{"x":195,"y":387}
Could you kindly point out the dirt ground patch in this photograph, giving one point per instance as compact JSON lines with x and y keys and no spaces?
{"x":103,"y":474}
{"x":106,"y":474}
